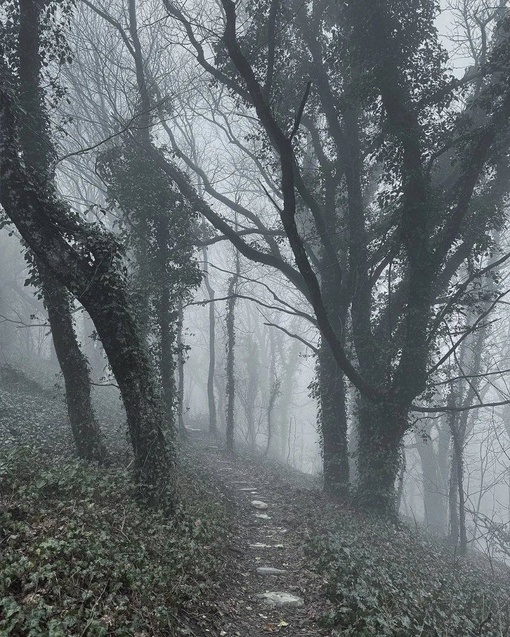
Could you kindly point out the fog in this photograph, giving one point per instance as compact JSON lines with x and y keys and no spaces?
{"x":274,"y":231}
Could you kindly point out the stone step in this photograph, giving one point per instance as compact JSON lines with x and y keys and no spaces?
{"x":279,"y":598}
{"x":270,"y":570}
{"x":258,"y":504}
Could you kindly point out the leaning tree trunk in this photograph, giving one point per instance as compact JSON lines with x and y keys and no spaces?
{"x":36,"y":147}
{"x":333,"y":423}
{"x":74,"y":366}
{"x":107,"y":305}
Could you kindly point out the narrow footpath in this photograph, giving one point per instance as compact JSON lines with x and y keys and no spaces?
{"x":271,"y":588}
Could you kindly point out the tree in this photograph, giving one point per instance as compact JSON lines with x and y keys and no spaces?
{"x":421,"y":168}
{"x":88,"y":261}
{"x":34,"y":140}
{"x":230,"y":387}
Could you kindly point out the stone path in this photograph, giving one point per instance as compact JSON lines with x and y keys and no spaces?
{"x":272,"y":592}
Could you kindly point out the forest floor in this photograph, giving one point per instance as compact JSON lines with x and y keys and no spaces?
{"x":294,"y":506}
{"x":356,"y":575}
{"x":79,"y":557}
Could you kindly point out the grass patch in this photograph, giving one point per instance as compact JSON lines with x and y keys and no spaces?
{"x":387,"y":581}
{"x":79,"y":557}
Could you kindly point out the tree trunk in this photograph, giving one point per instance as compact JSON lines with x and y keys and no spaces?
{"x":380,"y":432}
{"x":457,"y":495}
{"x":180,"y":374}
{"x":401,"y":480}
{"x":433,"y":488}
{"x":333,"y":423}
{"x":274,"y":393}
{"x":230,"y":364}
{"x":211,"y":400}
{"x":252,"y":389}
{"x":289,"y":360}
{"x":453,"y":492}
{"x":37,"y":154}
{"x":74,"y":366}
{"x":153,"y":461}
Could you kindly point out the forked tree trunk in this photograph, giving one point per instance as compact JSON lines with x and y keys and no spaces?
{"x":86,"y":261}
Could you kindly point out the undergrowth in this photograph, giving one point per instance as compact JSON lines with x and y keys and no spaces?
{"x":386,"y":581}
{"x":79,"y":557}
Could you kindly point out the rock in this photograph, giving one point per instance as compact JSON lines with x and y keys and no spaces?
{"x":258,"y":504}
{"x":262,"y":516}
{"x":277,"y":598}
{"x":260,"y":545}
{"x":270,"y":570}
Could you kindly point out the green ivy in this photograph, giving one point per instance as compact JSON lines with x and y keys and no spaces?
{"x":386,"y":581}
{"x":80,"y":557}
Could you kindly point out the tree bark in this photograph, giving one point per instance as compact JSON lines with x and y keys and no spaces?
{"x":37,"y":151}
{"x":380,"y":431}
{"x":230,"y":364}
{"x":86,"y":433}
{"x":333,"y":423}
{"x":211,"y":400}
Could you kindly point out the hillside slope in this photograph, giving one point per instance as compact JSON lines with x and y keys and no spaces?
{"x":78,"y":556}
